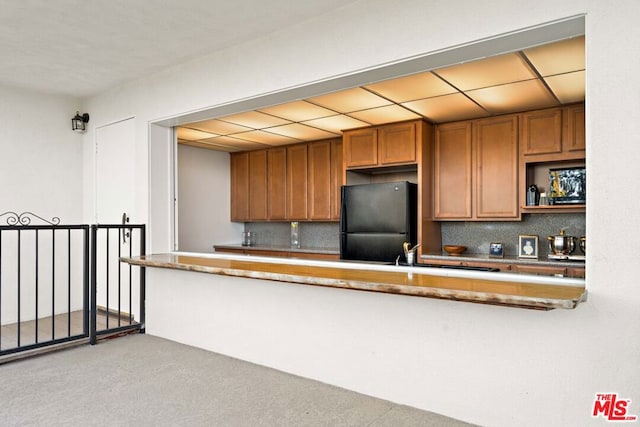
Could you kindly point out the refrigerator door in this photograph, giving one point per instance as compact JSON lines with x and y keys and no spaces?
{"x":372,"y":246}
{"x":378,"y":208}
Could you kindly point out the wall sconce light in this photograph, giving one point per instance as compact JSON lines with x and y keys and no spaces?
{"x":79,"y":122}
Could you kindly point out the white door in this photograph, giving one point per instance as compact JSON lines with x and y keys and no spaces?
{"x":115,"y":201}
{"x":115,"y":167}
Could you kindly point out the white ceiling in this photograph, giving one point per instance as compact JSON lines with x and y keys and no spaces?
{"x":540,"y":77}
{"x":81,"y":48}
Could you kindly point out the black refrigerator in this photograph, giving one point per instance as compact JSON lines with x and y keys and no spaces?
{"x":376,"y":219}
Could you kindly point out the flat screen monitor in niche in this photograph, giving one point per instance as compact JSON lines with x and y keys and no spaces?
{"x":567,"y":186}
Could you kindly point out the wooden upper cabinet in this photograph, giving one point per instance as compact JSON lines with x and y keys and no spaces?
{"x":239,"y":186}
{"x":541,"y":132}
{"x":496,"y":170}
{"x":297,"y":181}
{"x":397,"y":143}
{"x":476,"y":170}
{"x":319,"y":186}
{"x":336,"y":178}
{"x":258,"y":185}
{"x":385,"y":145}
{"x":574,"y":128}
{"x":277,"y":183}
{"x":361,"y":147}
{"x":452,"y":171}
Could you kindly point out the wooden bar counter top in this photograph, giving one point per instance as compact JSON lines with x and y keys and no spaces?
{"x":519,"y":290}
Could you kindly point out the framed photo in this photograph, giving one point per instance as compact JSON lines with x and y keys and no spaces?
{"x":528,"y":246}
{"x":567,"y":185}
{"x":496,"y":250}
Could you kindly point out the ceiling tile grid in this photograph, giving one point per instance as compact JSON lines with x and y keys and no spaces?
{"x":534,"y":78}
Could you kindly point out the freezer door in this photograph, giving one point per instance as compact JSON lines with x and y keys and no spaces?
{"x":384,"y":208}
{"x":371,"y":246}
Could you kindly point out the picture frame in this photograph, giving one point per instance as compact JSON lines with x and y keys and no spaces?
{"x":567,"y":186}
{"x":527,"y":246}
{"x":496,"y":250}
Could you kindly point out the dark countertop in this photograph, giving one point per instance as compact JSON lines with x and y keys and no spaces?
{"x":303,"y":249}
{"x":506,"y":260}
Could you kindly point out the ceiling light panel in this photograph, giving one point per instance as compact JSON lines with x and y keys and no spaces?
{"x":298,"y":111}
{"x":493,"y":71}
{"x":219,"y":127}
{"x":508,"y":98}
{"x":255,"y":120}
{"x":210,"y":146}
{"x":193,"y":134}
{"x":337,"y":124}
{"x":350,"y":100}
{"x":417,"y":86}
{"x":382,"y":115}
{"x":447,"y":108}
{"x":568,"y":87}
{"x":557,"y":58}
{"x":302,"y":132}
{"x":266,"y":138}
{"x":235,"y":143}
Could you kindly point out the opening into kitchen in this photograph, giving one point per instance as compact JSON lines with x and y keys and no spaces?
{"x":490,"y":145}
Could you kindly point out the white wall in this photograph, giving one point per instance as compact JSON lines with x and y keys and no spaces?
{"x":203,"y":200}
{"x":488,"y":365}
{"x":41,"y":157}
{"x":40,"y":172}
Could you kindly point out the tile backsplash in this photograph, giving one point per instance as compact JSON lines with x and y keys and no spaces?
{"x":475,"y":235}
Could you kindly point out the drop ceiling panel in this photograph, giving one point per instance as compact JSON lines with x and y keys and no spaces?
{"x":512,"y":97}
{"x":337,"y":123}
{"x":302,"y":132}
{"x":418,"y":86}
{"x":350,"y":100}
{"x":255,"y":120}
{"x":240,"y":144}
{"x":266,"y":138}
{"x":193,"y":134}
{"x":447,"y":108}
{"x":558,"y":58}
{"x":568,"y":87}
{"x":487,"y":72}
{"x":218,"y":127}
{"x":298,"y":111}
{"x":210,"y":146}
{"x":382,"y":115}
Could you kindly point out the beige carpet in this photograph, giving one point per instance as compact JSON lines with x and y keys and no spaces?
{"x":141,"y":380}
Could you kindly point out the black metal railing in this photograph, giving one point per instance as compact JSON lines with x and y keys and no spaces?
{"x":63,"y":283}
{"x":114,"y":290}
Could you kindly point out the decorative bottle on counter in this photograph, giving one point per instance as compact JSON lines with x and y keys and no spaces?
{"x":295,"y":235}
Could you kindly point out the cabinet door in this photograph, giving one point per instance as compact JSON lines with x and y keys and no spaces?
{"x":452,"y":167}
{"x":297,"y":181}
{"x":319,"y":187}
{"x":361,"y":147}
{"x":541,"y":132}
{"x":336,"y":177}
{"x":496,"y":148}
{"x":397,"y":144}
{"x":277,"y":183}
{"x":574,"y":128}
{"x":258,"y":185}
{"x":240,"y":187}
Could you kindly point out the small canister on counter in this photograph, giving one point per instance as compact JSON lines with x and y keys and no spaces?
{"x":248,"y":238}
